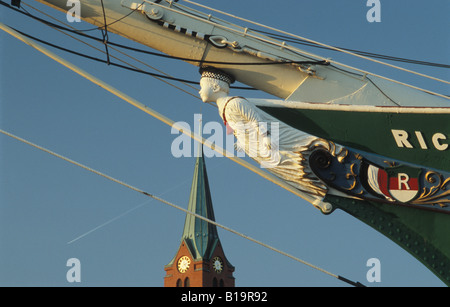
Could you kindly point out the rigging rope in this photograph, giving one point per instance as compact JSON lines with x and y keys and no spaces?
{"x":176,"y":207}
{"x":324,"y":45}
{"x":106,"y":62}
{"x":161,"y":200}
{"x":104,"y":30}
{"x":164,"y":119}
{"x":369,"y":54}
{"x":324,"y":62}
{"x":157,"y":115}
{"x":78,"y":32}
{"x":120,"y":19}
{"x":121,"y":52}
{"x":53,"y":25}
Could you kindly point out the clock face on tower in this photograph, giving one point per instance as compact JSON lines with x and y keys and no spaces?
{"x":183,"y":264}
{"x":217,"y":264}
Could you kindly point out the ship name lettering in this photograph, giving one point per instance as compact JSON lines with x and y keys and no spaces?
{"x":403,"y":139}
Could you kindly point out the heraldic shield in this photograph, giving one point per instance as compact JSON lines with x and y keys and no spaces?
{"x":375,"y":178}
{"x":400,"y":183}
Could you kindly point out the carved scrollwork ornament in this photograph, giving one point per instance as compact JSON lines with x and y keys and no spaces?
{"x":320,"y":159}
{"x":374,"y":178}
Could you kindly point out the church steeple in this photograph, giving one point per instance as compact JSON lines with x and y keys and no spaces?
{"x":200,"y":260}
{"x":200,"y":235}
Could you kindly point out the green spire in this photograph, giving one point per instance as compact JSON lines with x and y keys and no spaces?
{"x":200,"y":236}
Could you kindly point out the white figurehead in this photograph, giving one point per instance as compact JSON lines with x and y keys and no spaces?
{"x":239,"y":116}
{"x":215,"y":86}
{"x":283,"y":151}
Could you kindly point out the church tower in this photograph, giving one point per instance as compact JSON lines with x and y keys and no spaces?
{"x":200,"y":260}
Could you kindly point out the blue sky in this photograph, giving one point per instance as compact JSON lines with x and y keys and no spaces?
{"x":46,"y":202}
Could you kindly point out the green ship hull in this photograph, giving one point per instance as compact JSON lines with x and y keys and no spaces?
{"x":412,"y":136}
{"x":416,"y":137}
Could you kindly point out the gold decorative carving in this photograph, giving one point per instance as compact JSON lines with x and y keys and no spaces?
{"x":437,"y":194}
